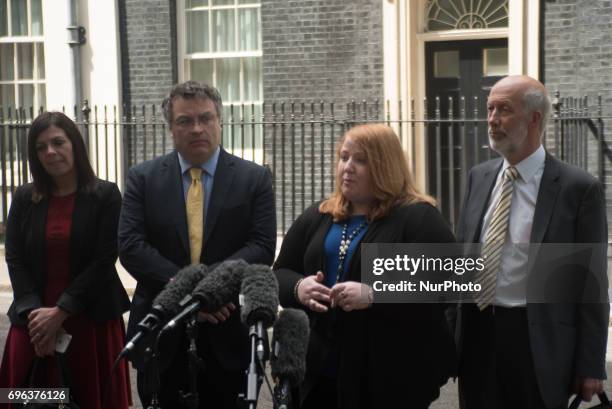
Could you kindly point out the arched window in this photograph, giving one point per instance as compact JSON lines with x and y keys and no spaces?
{"x":466,"y":14}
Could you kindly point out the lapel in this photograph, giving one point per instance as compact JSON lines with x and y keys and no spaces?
{"x":545,"y":203}
{"x":547,"y":197}
{"x":482,"y":188}
{"x":171,"y":183}
{"x":319,"y":236}
{"x":224,"y":174}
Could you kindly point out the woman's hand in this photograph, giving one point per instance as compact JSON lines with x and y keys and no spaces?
{"x":351,"y":295}
{"x":311,"y":293}
{"x":44,"y":324}
{"x":47,"y":348}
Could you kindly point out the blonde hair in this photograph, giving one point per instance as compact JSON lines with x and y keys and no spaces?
{"x":392,"y":182}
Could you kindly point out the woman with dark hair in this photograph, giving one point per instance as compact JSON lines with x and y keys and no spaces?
{"x":363,"y":354}
{"x":61,"y":249}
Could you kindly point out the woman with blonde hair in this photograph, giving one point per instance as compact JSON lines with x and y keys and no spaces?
{"x":363,"y":354}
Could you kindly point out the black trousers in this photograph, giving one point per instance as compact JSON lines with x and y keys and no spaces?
{"x":217,"y":388}
{"x":325,"y":396}
{"x":496,"y":369}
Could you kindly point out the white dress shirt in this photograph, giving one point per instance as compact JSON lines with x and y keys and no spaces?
{"x":512,"y":277}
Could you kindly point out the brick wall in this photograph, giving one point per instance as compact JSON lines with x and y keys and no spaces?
{"x":577,"y":48}
{"x":576,"y":60}
{"x":148,"y":48}
{"x":322,"y":49}
{"x":315,"y":50}
{"x":148,"y":69}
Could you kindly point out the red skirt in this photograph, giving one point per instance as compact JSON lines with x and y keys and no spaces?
{"x":90,"y":358}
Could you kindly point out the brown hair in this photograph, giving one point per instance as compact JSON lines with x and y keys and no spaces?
{"x":43,"y":182}
{"x":392,"y":182}
{"x":190,"y":90}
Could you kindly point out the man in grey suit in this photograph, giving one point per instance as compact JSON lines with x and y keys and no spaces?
{"x":159,"y":234}
{"x":513,"y":353}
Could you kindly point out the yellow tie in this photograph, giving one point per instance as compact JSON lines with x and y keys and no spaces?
{"x":195,"y":214}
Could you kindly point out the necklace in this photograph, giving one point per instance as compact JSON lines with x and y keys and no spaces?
{"x":345,"y":243}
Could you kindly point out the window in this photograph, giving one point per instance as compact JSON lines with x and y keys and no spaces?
{"x":466,"y":14}
{"x":221,"y":45}
{"x":495,"y":62}
{"x":22,"y":56}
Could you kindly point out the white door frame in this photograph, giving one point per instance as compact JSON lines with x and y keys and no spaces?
{"x":404,"y":39}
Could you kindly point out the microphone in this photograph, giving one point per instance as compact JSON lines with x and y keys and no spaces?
{"x":259,"y":303}
{"x":147,"y":325}
{"x":216,"y":289}
{"x":182,"y":284}
{"x":167,"y":302}
{"x":288,"y":360}
{"x":259,"y":291}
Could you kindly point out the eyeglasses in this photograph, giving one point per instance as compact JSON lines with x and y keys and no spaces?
{"x":189,"y":121}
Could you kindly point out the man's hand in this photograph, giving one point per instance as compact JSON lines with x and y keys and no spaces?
{"x":218,"y":316}
{"x":44,"y":324}
{"x":351,"y":295}
{"x":311,"y":293}
{"x":587,"y":387}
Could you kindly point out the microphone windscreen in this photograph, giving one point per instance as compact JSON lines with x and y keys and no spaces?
{"x":220,"y":286}
{"x":289,"y":346}
{"x":181,"y":285}
{"x":260,"y":291}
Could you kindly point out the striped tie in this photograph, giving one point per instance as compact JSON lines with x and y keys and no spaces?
{"x":494,"y":241}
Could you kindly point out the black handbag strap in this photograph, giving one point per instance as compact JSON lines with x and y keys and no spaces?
{"x":64,"y":372}
{"x":603,"y":398}
{"x":30,"y":377}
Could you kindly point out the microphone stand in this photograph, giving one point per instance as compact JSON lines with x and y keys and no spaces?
{"x":191,"y":398}
{"x":151,"y":375}
{"x":258,"y":335}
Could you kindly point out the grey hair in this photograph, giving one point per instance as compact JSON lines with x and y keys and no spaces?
{"x":537,"y":100}
{"x":189,"y":90}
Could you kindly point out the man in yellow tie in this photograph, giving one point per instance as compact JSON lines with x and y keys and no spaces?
{"x":197,"y":204}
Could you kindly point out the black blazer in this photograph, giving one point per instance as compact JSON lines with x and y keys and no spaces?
{"x":567,"y":340}
{"x":153,"y":236}
{"x":95,"y":288}
{"x":401,"y":349}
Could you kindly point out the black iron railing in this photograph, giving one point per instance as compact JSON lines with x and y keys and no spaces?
{"x":296,"y":141}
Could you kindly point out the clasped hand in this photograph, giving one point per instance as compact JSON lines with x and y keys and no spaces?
{"x":43,"y":327}
{"x":348,"y":295}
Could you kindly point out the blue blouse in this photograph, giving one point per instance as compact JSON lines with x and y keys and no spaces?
{"x":332,"y":248}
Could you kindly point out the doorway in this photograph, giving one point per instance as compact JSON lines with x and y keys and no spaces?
{"x":459,"y":76}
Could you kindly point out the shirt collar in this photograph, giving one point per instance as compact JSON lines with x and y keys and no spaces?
{"x":209,"y":166}
{"x":528,"y":167}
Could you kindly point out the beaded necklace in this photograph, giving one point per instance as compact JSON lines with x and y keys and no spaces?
{"x":345,"y":242}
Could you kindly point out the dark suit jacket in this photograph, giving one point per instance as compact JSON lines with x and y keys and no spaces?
{"x":95,"y":288}
{"x":567,"y":340}
{"x":153,"y":237}
{"x":402,"y":349}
